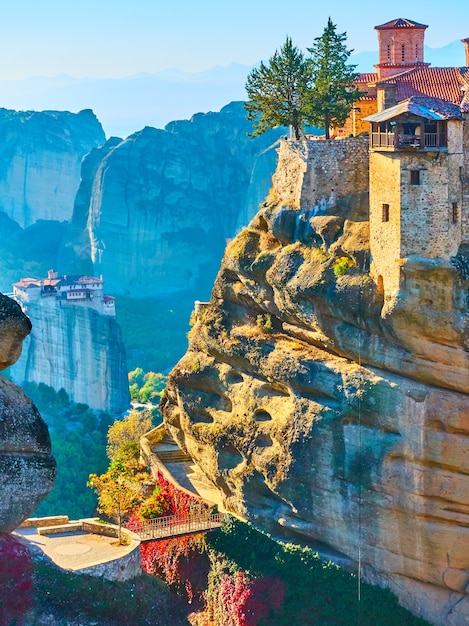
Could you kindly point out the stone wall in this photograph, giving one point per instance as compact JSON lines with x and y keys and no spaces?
{"x":125,"y":568}
{"x":465,"y":186}
{"x":426,"y":225}
{"x":385,"y":239}
{"x":420,"y":215}
{"x":354,"y":124}
{"x":318,"y":175}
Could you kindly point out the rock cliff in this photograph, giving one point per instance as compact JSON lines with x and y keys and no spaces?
{"x":40,"y":157}
{"x":320,"y":410}
{"x":78,"y":349}
{"x":26,"y":465}
{"x":154,"y":211}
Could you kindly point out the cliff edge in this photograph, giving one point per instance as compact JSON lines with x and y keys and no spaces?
{"x":320,"y":407}
{"x":27,"y":467}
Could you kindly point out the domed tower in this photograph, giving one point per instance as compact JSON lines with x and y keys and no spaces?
{"x":401,"y":44}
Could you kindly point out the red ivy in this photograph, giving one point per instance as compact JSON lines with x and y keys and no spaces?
{"x":238,"y":601}
{"x":15,"y":581}
{"x":180,"y":562}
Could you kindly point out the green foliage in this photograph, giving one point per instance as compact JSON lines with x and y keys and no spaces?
{"x":332,"y":92}
{"x":342,"y":265}
{"x":78,"y":437}
{"x":317,"y":592}
{"x":28,"y":252}
{"x":154,"y":506}
{"x":78,"y":598}
{"x":264,"y":321}
{"x":151,"y":329}
{"x":118,"y":492}
{"x":277,"y":91}
{"x":294,"y":90}
{"x":461,"y":263}
{"x":146,"y":388}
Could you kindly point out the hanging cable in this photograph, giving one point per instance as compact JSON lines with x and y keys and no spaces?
{"x":360,"y":476}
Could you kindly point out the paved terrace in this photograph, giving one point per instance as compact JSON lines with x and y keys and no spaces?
{"x":77,"y":547}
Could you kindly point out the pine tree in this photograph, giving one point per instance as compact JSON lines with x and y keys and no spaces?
{"x":332,"y":93}
{"x":277,"y":90}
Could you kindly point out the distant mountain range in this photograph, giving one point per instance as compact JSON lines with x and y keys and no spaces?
{"x":125,"y":105}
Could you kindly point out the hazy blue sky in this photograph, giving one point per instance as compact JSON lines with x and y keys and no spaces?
{"x":114,"y":38}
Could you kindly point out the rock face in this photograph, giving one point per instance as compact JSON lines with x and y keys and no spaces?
{"x":318,"y":409}
{"x":78,"y":349}
{"x":154,"y":211}
{"x":27,"y":468}
{"x":40,"y":157}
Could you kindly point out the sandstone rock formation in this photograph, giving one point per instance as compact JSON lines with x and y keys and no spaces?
{"x":154,"y":211}
{"x":27,"y":468}
{"x":78,"y":349}
{"x":320,"y":409}
{"x":40,"y":157}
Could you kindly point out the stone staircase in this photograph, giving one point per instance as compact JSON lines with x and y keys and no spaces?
{"x":173,"y":456}
{"x":168,"y":452}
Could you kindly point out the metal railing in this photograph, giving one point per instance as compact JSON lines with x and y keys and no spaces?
{"x":171,"y":526}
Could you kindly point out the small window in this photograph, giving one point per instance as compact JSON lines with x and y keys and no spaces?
{"x":454,"y":212}
{"x":389,"y":53}
{"x":385,"y":212}
{"x":415,"y":177}
{"x":403,"y":52}
{"x":416,"y":52}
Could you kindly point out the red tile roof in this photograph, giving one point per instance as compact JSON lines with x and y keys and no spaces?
{"x":367,"y":77}
{"x":437,"y":82}
{"x":401,"y":22}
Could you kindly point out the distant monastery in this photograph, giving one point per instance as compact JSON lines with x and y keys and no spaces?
{"x":65,"y":290}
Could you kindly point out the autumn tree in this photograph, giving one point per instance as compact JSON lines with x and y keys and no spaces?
{"x":118,"y":493}
{"x":332,"y":92}
{"x":124,"y":435}
{"x":277,"y":90}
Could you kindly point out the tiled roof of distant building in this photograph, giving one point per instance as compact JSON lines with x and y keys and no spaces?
{"x":79,"y":280}
{"x":366,"y":77}
{"x":446,"y":83}
{"x":400,"y":22}
{"x":26,"y":283}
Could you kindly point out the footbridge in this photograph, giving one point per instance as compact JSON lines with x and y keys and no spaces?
{"x":171,"y":526}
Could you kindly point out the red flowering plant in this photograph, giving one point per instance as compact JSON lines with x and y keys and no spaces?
{"x":182,"y":562}
{"x":15,"y":581}
{"x":167,"y":499}
{"x":234,"y":598}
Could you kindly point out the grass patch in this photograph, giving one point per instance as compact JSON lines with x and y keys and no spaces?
{"x":342,"y":265}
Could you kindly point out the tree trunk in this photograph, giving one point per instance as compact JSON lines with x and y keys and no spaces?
{"x":327,"y":127}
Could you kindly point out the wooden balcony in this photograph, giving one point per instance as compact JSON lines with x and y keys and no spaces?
{"x":387,"y":140}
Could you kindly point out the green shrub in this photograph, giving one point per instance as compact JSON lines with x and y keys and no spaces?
{"x":342,"y":265}
{"x":264,"y":321}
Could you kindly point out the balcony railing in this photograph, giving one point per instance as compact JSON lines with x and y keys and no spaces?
{"x":391,"y":140}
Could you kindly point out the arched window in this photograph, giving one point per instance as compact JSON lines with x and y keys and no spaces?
{"x":388,"y":51}
{"x":402,"y":52}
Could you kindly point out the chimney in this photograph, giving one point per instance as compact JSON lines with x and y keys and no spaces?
{"x":466,"y":47}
